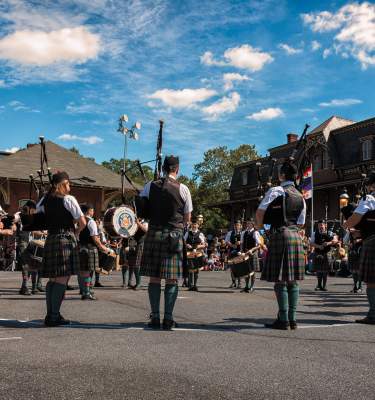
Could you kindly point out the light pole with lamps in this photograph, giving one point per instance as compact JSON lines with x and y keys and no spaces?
{"x":343,"y":201}
{"x":131,"y":132}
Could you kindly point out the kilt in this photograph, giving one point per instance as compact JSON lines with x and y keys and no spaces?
{"x":286,"y":258}
{"x":353,"y":260}
{"x":22,"y":259}
{"x":194,"y":264}
{"x":254,"y":263}
{"x":61,"y":255}
{"x":322,"y":263}
{"x":138,"y":259}
{"x":162,"y":255}
{"x":88,"y":258}
{"x":367,"y":260}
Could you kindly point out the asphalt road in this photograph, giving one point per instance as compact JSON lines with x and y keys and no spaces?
{"x":220,"y":351}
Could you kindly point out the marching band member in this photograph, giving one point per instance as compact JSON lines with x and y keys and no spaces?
{"x":90,"y":243}
{"x":285,"y":263}
{"x":170,"y":207}
{"x":195,"y":240}
{"x":251,"y":240}
{"x":61,"y":254}
{"x":233,"y":242}
{"x":367,"y":255}
{"x":354,"y":242}
{"x":323,"y":240}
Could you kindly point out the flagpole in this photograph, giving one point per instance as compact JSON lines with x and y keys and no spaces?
{"x":312,"y":201}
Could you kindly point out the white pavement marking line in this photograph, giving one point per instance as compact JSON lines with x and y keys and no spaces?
{"x":10,"y":338}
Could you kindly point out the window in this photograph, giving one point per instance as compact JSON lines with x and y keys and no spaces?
{"x":317,"y":162}
{"x":326,"y":160}
{"x":366,"y":150}
{"x":244,"y":177}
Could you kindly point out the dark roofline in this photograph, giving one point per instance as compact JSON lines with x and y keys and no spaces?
{"x":356,"y":125}
{"x":281,"y":146}
{"x":247,"y":163}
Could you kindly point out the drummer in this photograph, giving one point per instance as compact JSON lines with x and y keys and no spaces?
{"x":195,"y":240}
{"x":233,"y":242}
{"x":90,"y":243}
{"x":61,"y":254}
{"x":251,"y":240}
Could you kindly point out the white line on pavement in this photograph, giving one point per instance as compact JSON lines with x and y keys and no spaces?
{"x":10,"y":338}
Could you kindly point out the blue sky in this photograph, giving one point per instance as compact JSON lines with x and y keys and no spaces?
{"x":218,"y":72}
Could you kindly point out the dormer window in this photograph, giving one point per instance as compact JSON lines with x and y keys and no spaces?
{"x":367,"y":150}
{"x":244,"y":177}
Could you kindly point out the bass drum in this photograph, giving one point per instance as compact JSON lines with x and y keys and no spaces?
{"x":120,"y":222}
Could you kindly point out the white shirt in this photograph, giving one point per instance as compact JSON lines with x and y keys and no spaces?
{"x":93,"y":228}
{"x":276,"y":191}
{"x":228,"y":235}
{"x":365,"y":205}
{"x":70,"y":204}
{"x":201,"y":236}
{"x":256,"y":236}
{"x":184,"y":193}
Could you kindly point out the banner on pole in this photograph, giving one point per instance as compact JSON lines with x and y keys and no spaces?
{"x":307,"y":185}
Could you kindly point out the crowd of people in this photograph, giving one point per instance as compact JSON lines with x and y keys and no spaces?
{"x":170,"y":244}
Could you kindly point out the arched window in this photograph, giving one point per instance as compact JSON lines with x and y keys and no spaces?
{"x":366,"y":150}
{"x":244,"y":177}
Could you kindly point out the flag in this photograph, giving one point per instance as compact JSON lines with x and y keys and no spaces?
{"x":307,"y":185}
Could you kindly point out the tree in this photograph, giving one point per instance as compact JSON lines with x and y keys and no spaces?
{"x":76,"y":151}
{"x":131,"y":168}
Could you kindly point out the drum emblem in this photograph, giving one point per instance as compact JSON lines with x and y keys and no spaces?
{"x":120,"y":222}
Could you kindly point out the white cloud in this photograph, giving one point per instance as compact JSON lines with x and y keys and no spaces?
{"x":355,"y":26}
{"x":185,"y":98}
{"x":73,"y":108}
{"x":288,"y":49}
{"x":308,"y":110}
{"x":266,"y":114}
{"x":327,"y":53}
{"x":230,"y":77}
{"x":223,"y":106}
{"x":19,"y":106}
{"x":340,"y":103}
{"x":73,"y":45}
{"x":84,"y":139}
{"x":315,"y":45}
{"x":12,"y":150}
{"x":243,"y":57}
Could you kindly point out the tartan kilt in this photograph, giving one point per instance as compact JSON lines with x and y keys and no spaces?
{"x":61,"y":255}
{"x":254,"y":263}
{"x":322,"y":263}
{"x":162,"y":255}
{"x":88,"y":258}
{"x":286,"y":258}
{"x":367,"y":260}
{"x":194,"y":264}
{"x":22,"y":258}
{"x":353,"y":260}
{"x":138,"y":259}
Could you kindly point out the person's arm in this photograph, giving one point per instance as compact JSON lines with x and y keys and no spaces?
{"x":81,"y":222}
{"x":272,"y":194}
{"x":259,"y":218}
{"x":302,"y":217}
{"x":101,"y":246}
{"x":71,"y":204}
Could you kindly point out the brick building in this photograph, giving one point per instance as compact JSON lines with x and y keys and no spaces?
{"x":101,"y":188}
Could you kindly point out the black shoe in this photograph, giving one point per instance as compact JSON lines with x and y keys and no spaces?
{"x":293,"y":325}
{"x":245,"y":290}
{"x":190,"y":289}
{"x":195,"y":289}
{"x":231,"y":286}
{"x":88,"y":297}
{"x":169,"y":324}
{"x":154,"y":323}
{"x":55,"y":322}
{"x":40,"y":289}
{"x":25,"y":291}
{"x":277,"y":324}
{"x":63,"y":321}
{"x":366,"y":321}
{"x":318,"y":288}
{"x":70,"y":287}
{"x":33,"y":291}
{"x":324,"y":289}
{"x":98,"y":284}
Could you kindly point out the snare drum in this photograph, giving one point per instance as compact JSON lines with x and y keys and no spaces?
{"x":107,"y":262}
{"x":195,"y":260}
{"x":120,"y":222}
{"x":34,"y":253}
{"x":239,"y":266}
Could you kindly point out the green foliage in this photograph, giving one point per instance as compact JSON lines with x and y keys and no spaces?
{"x":131,"y":169}
{"x":76,"y":151}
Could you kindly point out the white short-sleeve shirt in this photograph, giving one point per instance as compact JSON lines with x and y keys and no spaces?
{"x":256,"y":236}
{"x":277,"y":191}
{"x":93,"y":228}
{"x":184,"y":193}
{"x":70,"y":203}
{"x":367,"y":204}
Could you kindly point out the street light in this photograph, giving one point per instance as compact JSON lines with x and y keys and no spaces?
{"x":344,"y":198}
{"x":131,"y":132}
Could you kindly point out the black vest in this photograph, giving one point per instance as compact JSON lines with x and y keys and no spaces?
{"x":166,"y":204}
{"x":285,"y":210}
{"x":57,"y":216}
{"x":84,"y":237}
{"x":193,"y":239}
{"x":235,"y":237}
{"x":249,"y":241}
{"x":320,"y":238}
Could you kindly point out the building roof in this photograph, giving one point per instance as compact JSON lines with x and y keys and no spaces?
{"x":331,"y":123}
{"x":27,"y":161}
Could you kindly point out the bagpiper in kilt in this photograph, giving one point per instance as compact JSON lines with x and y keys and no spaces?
{"x":355,"y":245}
{"x":250,"y":240}
{"x":61,"y":252}
{"x":285,"y":262}
{"x":169,"y":207}
{"x":322,"y":241}
{"x":195,"y":244}
{"x":367,"y":255}
{"x":233,"y":242}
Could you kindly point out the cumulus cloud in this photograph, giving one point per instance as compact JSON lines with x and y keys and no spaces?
{"x":355,"y":26}
{"x":340,"y":103}
{"x":73,"y":45}
{"x":12,"y":150}
{"x":242,"y":57}
{"x":16,"y":105}
{"x":266,"y":114}
{"x":185,"y":98}
{"x":315,"y":45}
{"x":66,"y":137}
{"x":288,"y":49}
{"x":225,"y":105}
{"x":327,"y":53}
{"x":230,"y":77}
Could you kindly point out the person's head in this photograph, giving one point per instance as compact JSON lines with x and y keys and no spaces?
{"x":370,"y":181}
{"x":322,"y":225}
{"x":237,"y":225}
{"x":60,"y":183}
{"x":171,"y":165}
{"x":194,"y":224}
{"x":288,"y":171}
{"x":29,"y":207}
{"x":250,"y":224}
{"x":200,"y":219}
{"x":88,"y":209}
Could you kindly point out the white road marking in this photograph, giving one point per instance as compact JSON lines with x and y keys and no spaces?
{"x":10,"y":338}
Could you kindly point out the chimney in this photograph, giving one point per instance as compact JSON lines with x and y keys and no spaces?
{"x":291,"y":137}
